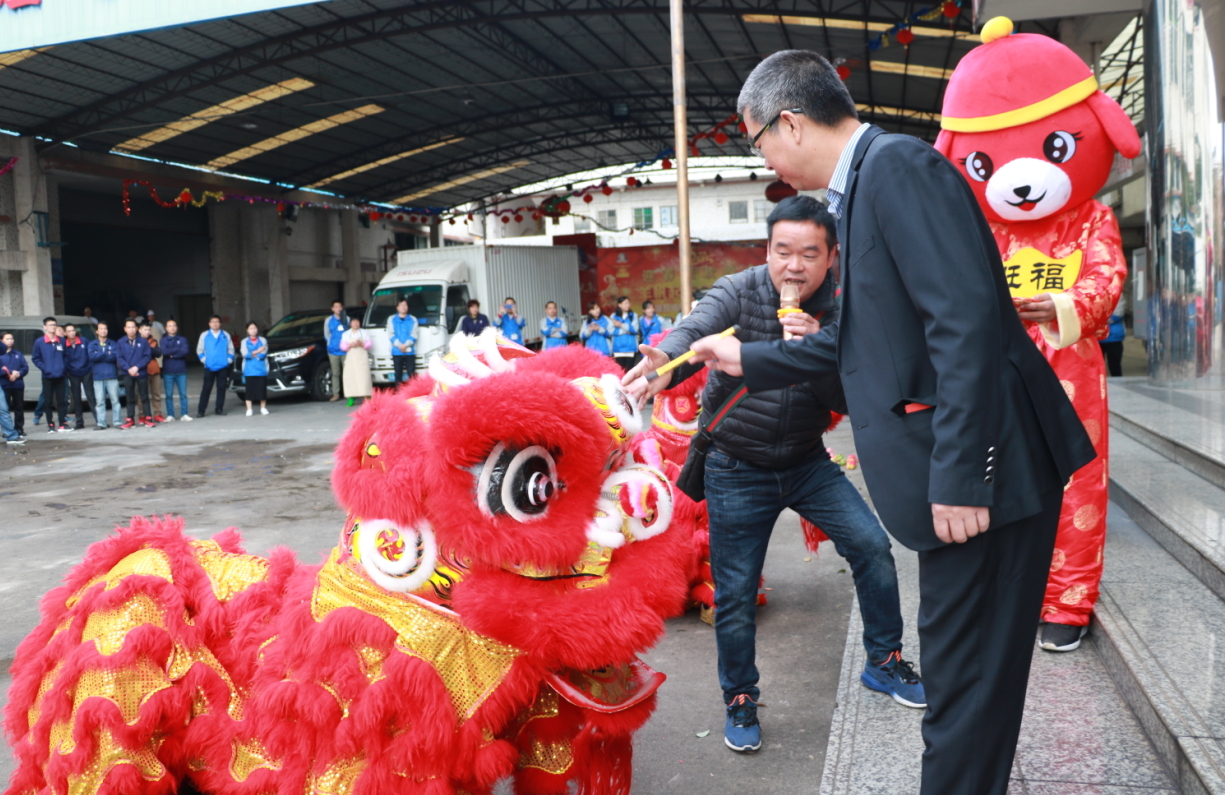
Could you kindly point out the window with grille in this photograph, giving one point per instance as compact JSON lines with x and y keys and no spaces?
{"x":667,"y":215}
{"x":644,"y":218}
{"x":607,"y":219}
{"x":761,"y":210}
{"x":582,"y":224}
{"x":738,"y":212}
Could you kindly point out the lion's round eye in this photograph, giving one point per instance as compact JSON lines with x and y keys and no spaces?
{"x":517,"y":483}
{"x":1059,"y":146}
{"x":979,"y":166}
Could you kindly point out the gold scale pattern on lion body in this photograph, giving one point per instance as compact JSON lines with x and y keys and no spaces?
{"x":471,"y":666}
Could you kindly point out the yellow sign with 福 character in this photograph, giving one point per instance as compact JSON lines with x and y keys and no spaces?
{"x":1029,"y":272}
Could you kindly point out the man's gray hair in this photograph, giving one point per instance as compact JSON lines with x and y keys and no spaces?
{"x":796,"y":79}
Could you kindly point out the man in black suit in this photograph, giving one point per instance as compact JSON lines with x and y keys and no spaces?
{"x":965,"y":435}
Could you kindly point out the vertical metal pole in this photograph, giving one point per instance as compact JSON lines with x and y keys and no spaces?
{"x":681,"y":129}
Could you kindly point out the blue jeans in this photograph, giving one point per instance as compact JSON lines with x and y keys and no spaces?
{"x":744,"y":502}
{"x":172,"y":380}
{"x":104,"y":388}
{"x":6,"y":422}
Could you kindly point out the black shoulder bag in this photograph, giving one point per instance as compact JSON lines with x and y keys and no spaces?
{"x":692,"y":480}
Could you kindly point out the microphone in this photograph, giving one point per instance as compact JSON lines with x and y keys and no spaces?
{"x":788,"y":303}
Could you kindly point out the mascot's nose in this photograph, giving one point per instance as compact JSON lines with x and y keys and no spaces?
{"x":1022,"y":192}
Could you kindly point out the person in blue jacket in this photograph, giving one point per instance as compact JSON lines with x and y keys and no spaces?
{"x":552,"y":327}
{"x":649,"y":324}
{"x":624,"y":325}
{"x":334,"y":328}
{"x":175,"y":349}
{"x":596,"y":333}
{"x":509,"y":322}
{"x":474,"y":322}
{"x":254,"y":350}
{"x":79,"y":370}
{"x":132,"y":356}
{"x":105,"y":363}
{"x":402,"y":331}
{"x":216,"y":350}
{"x":13,"y":370}
{"x":48,"y":356}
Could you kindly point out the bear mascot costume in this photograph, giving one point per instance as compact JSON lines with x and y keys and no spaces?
{"x":506,"y":555}
{"x":1025,"y":122}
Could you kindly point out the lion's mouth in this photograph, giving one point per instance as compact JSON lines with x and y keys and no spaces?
{"x":590,"y":570}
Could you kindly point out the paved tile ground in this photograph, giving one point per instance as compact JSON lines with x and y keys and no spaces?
{"x":269,"y":477}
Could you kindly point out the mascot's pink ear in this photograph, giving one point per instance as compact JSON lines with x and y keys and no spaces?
{"x":1115,"y":122}
{"x":944,"y":142}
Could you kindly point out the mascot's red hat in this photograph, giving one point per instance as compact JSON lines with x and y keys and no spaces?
{"x":1015,"y":79}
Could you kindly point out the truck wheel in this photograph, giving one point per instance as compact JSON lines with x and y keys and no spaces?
{"x":321,"y":381}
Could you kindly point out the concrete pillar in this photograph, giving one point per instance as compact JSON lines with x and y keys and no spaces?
{"x":26,"y":266}
{"x":249,"y":258}
{"x":435,"y":234}
{"x":57,"y":254}
{"x":278,"y":272}
{"x":350,"y":254}
{"x":225,"y":262}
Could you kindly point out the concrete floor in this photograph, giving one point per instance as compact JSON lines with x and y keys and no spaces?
{"x":268,"y":476}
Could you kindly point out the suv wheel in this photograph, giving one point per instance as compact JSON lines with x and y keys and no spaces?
{"x":321,"y":381}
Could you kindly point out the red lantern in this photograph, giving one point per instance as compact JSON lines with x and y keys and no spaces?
{"x":631,"y":181}
{"x":778,"y":190}
{"x":588,"y":198}
{"x":374,"y":216}
{"x":951,"y":10}
{"x":563,"y":208}
{"x":665,"y":163}
{"x":452,"y":222}
{"x":280,"y":206}
{"x":506,"y":219}
{"x":844,"y":72}
{"x":518,"y":218}
{"x":905,"y":36}
{"x":185,"y":196}
{"x":720,"y":138}
{"x":469,"y":216}
{"x":744,"y":128}
{"x":606,"y":190}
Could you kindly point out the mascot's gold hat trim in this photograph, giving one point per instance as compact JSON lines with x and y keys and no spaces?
{"x":1014,"y":118}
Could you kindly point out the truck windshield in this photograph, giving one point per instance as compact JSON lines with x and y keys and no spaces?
{"x":424,"y":303}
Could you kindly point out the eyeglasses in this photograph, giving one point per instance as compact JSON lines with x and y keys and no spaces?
{"x":753,"y":142}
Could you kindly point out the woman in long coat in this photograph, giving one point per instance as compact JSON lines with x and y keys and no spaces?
{"x":356,"y":344}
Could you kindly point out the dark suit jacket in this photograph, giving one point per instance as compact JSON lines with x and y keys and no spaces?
{"x":927,"y":318}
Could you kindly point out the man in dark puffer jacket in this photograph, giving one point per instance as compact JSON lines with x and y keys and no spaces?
{"x":768,"y":455}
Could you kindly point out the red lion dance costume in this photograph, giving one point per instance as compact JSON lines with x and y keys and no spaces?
{"x":506,"y":555}
{"x":1024,"y":119}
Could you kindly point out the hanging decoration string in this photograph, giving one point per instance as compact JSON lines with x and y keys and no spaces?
{"x":7,"y":167}
{"x":901,"y":32}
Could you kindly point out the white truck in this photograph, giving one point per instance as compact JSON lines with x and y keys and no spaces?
{"x":438,"y":282}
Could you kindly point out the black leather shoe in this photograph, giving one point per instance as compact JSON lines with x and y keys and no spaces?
{"x":220,"y":412}
{"x":200,"y":416}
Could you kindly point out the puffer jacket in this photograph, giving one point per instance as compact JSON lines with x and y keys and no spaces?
{"x":775,"y":429}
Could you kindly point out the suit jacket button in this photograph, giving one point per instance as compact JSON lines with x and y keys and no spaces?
{"x":990,"y":470}
{"x":990,"y":459}
{"x":989,"y":480}
{"x":990,"y":450}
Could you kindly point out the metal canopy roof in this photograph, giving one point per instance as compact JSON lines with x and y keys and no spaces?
{"x":534,"y":88}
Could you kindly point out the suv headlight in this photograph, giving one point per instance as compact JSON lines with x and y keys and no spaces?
{"x":292,"y":353}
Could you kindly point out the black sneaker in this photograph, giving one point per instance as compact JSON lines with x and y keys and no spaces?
{"x":1061,"y":637}
{"x":220,"y":412}
{"x":50,"y":429}
{"x":200,"y":416}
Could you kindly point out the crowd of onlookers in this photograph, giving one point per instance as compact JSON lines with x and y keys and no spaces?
{"x":145,"y":357}
{"x":617,"y":335}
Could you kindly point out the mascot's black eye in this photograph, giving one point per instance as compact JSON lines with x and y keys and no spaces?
{"x":979,"y":166}
{"x":1059,"y":146}
{"x":518,"y":483}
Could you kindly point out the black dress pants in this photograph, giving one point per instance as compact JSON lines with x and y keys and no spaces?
{"x":978,"y":616}
{"x":220,"y":378}
{"x":16,"y":403}
{"x":74,"y":399}
{"x":134,"y":386}
{"x":1113,"y":351}
{"x":404,"y":365}
{"x":53,"y":398}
